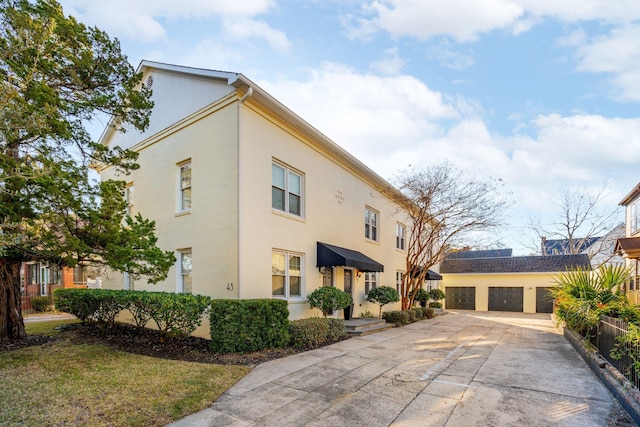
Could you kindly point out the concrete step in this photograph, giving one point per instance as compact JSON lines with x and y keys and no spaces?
{"x":365,"y":326}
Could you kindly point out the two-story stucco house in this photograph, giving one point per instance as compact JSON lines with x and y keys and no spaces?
{"x":255,"y":202}
{"x":629,"y":246}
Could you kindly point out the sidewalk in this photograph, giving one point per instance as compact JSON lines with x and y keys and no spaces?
{"x":46,"y":317}
{"x":464,"y":368}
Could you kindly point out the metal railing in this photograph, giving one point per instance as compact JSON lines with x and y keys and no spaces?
{"x":609,"y":329}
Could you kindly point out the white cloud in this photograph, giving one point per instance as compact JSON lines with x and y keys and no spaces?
{"x":465,"y":20}
{"x":244,"y":28}
{"x":449,"y":57}
{"x":460,"y":19}
{"x":617,"y":54}
{"x":141,"y":19}
{"x":391,"y":64}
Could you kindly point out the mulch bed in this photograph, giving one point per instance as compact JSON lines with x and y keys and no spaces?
{"x":147,"y":342}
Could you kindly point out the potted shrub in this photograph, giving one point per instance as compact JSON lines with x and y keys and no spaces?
{"x":329,"y":299}
{"x":437,"y":295}
{"x":422,"y":296}
{"x":382,"y":295}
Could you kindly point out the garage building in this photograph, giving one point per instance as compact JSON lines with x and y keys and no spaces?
{"x":490,"y":281}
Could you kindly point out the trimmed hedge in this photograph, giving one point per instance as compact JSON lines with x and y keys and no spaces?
{"x":400,"y":318}
{"x":396,"y":317}
{"x":239,"y":326}
{"x":40,"y":303}
{"x":173,"y":313}
{"x":315,"y":331}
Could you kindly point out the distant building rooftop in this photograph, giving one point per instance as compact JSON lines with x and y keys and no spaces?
{"x":489,"y":253}
{"x":519,"y":264}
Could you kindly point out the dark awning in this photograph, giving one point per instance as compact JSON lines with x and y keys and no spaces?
{"x":432,"y":275}
{"x":628,"y":247}
{"x":335,"y":256}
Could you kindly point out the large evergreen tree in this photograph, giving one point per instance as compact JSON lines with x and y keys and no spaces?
{"x":57,"y":74}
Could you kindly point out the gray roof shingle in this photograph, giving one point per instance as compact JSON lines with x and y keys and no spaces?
{"x":488,"y":253}
{"x":518,"y":264}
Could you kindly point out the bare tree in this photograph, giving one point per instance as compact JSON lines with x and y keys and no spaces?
{"x":584,"y":225}
{"x":445,"y":210}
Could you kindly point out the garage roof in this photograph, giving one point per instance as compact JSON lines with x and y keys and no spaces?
{"x":518,"y":264}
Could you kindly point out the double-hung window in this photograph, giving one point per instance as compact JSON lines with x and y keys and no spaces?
{"x":634,"y":217}
{"x":185,"y":271}
{"x":184,"y":186}
{"x":399,"y":277}
{"x":128,"y":198}
{"x":371,"y":224}
{"x":286,"y":274}
{"x":286,"y":189}
{"x":401,"y":232}
{"x":370,"y":281}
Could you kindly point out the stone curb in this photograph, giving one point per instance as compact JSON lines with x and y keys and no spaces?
{"x":618,"y":385}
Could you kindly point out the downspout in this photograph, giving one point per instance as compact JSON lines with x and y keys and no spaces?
{"x":242,"y":99}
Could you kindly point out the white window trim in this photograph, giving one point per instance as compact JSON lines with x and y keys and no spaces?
{"x":180,"y":209}
{"x":288,"y":169}
{"x":368,"y":281}
{"x":377,"y":226}
{"x":403,"y":237}
{"x":399,"y":280}
{"x":179,"y":273}
{"x":287,"y":295}
{"x":129,"y":197}
{"x":634,"y":217}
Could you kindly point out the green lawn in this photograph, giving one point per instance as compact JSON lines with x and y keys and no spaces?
{"x":70,"y":384}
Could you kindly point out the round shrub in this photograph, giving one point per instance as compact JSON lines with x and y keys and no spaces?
{"x":421,"y":295}
{"x":436,"y":294}
{"x":329,"y":299}
{"x":383,"y":295}
{"x":40,"y":304}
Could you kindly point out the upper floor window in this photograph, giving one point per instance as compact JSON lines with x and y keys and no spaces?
{"x":184,"y":186}
{"x":286,"y":189}
{"x":128,"y":198}
{"x":371,"y":224}
{"x":634,"y":217}
{"x":370,"y":281}
{"x":401,"y":232}
{"x":185,"y":271}
{"x":286,"y":274}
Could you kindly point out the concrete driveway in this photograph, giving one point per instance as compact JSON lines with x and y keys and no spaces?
{"x":459,"y":369}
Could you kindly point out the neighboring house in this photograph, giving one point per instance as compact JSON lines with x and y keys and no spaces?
{"x":629,"y":246}
{"x":254,"y":201}
{"x":600,"y":250}
{"x":504,"y":283}
{"x":41,"y":279}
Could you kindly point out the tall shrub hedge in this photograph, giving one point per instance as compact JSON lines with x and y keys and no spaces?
{"x":248,"y":325}
{"x":173,"y":313}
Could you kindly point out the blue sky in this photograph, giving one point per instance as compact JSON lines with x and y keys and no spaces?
{"x":543,"y":94}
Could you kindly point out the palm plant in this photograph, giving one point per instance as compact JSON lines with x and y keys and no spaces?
{"x":580,"y":295}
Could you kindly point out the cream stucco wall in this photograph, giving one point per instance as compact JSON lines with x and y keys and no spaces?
{"x":232,"y":228}
{"x":482,"y":282}
{"x":333,"y":204}
{"x":210,"y":229}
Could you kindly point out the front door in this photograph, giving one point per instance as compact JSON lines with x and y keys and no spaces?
{"x":348,"y":282}
{"x":348,"y":288}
